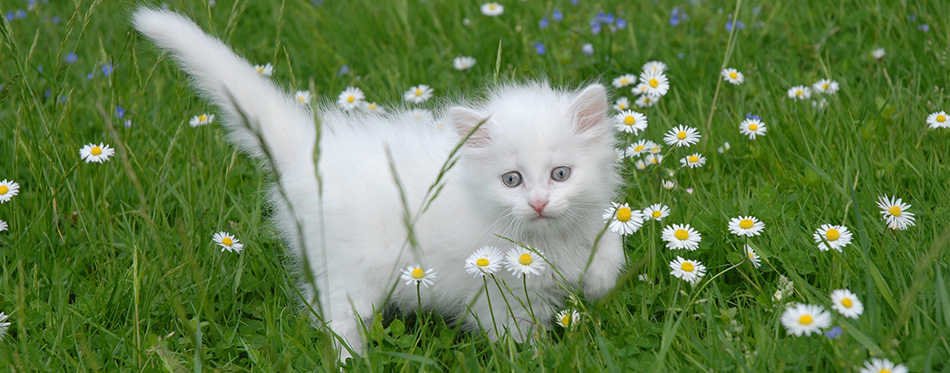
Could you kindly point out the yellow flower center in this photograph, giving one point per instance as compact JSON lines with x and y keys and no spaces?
{"x":481,"y":262}
{"x":624,"y":106}
{"x":372,"y":106}
{"x":884,"y":370}
{"x":96,"y":150}
{"x":746,"y":223}
{"x":681,"y":234}
{"x":260,"y":69}
{"x":847,"y":302}
{"x":646,"y":100}
{"x":753,"y":127}
{"x":824,"y":86}
{"x":655,"y":150}
{"x":693,"y":159}
{"x":733,"y":75}
{"x":227,"y":241}
{"x":4,"y":190}
{"x":681,"y":135}
{"x":941,"y":118}
{"x":525,"y":259}
{"x":418,"y":273}
{"x":638,"y":148}
{"x":301,"y":98}
{"x":687,"y":266}
{"x":629,"y":120}
{"x":350,"y":99}
{"x":202,"y":118}
{"x":654,"y":160}
{"x":418,"y":92}
{"x":654,"y":83}
{"x":832,"y":234}
{"x":657,"y":213}
{"x":490,"y":6}
{"x":805,"y":320}
{"x":798,"y":92}
{"x":895,"y":210}
{"x":751,"y":255}
{"x":624,"y":81}
{"x":624,"y":214}
{"x":566,"y":320}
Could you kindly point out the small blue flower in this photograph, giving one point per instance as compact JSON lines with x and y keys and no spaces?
{"x":557,"y":16}
{"x":609,"y":18}
{"x":10,"y":16}
{"x":20,"y":14}
{"x":680,"y":55}
{"x":90,"y":76}
{"x":912,"y":17}
{"x":594,"y":27}
{"x":739,"y":25}
{"x":601,"y":17}
{"x":834,"y":332}
{"x":538,"y":47}
{"x":750,"y":116}
{"x":107,"y":69}
{"x":71,"y":57}
{"x":128,"y":123}
{"x":56,"y":20}
{"x":620,"y":23}
{"x":543,"y":23}
{"x":588,"y":49}
{"x":119,"y":112}
{"x":39,"y":68}
{"x":924,"y":27}
{"x":48,"y":93}
{"x":575,"y":2}
{"x":343,"y":70}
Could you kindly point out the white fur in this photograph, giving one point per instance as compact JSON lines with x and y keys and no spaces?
{"x":354,"y":237}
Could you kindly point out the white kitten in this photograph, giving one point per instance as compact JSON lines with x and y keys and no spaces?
{"x":540,"y":170}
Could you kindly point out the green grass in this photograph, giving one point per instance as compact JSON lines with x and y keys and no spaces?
{"x":111,"y":266}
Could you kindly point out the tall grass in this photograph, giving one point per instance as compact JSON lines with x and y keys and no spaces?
{"x":111,"y":266}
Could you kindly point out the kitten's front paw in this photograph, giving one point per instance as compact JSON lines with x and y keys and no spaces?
{"x":602,"y":274}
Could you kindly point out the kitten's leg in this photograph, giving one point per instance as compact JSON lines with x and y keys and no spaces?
{"x":347,"y":316}
{"x":602,"y":274}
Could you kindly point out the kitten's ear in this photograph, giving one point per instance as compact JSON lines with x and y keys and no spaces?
{"x":466,"y":121}
{"x":590,"y":107}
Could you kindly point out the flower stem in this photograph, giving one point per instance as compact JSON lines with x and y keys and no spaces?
{"x":490,"y":309}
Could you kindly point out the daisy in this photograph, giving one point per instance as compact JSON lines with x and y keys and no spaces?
{"x":201,"y":120}
{"x":351,"y":98}
{"x":657,"y":82}
{"x":630,"y":121}
{"x":640,"y":165}
{"x":414,"y":275}
{"x":752,"y":127}
{"x":4,"y":325}
{"x":622,"y":104}
{"x":646,"y":101}
{"x":878,"y":54}
{"x":825,"y":87}
{"x":484,"y":261}
{"x":622,"y":219}
{"x":938,"y":120}
{"x":3,"y":225}
{"x":640,"y":89}
{"x":653,"y":158}
{"x":620,"y":154}
{"x":846,"y":303}
{"x":521,"y":261}
{"x":421,"y":115}
{"x":656,"y":211}
{"x":373,"y":107}
{"x":265,"y":70}
{"x":418,"y":94}
{"x":96,"y":153}
{"x":724,"y":148}
{"x":681,"y":136}
{"x":656,"y":149}
{"x":654,"y":66}
{"x":228,"y":242}
{"x":8,"y":189}
{"x":876,"y":365}
{"x":567,"y":318}
{"x":689,"y":270}
{"x":668,"y":184}
{"x":681,"y":236}
{"x":753,"y":257}
{"x":492,"y":9}
{"x":640,"y":147}
{"x":746,"y":226}
{"x":463,"y":63}
{"x":693,"y":160}
{"x":303,"y":97}
{"x":837,"y":237}
{"x":805,"y":319}
{"x":732,"y":76}
{"x":624,"y":80}
{"x":893,"y":211}
{"x":799,"y":92}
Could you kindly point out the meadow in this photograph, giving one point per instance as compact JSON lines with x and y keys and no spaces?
{"x":112,"y":265}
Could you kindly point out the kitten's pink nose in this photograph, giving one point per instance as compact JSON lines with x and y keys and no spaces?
{"x":538,"y":205}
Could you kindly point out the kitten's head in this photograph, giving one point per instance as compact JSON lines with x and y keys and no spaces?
{"x":539,"y":159}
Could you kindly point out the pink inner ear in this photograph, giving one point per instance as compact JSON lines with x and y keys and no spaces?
{"x":467,"y":120}
{"x":590,"y":107}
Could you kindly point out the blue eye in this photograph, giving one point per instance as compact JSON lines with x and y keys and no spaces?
{"x":560,"y":173}
{"x":511,"y":179}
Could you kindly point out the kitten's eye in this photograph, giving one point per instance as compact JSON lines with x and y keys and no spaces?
{"x":561,"y":173}
{"x":511,"y":179}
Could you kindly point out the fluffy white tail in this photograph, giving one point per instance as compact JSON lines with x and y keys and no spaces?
{"x":254,"y":109}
